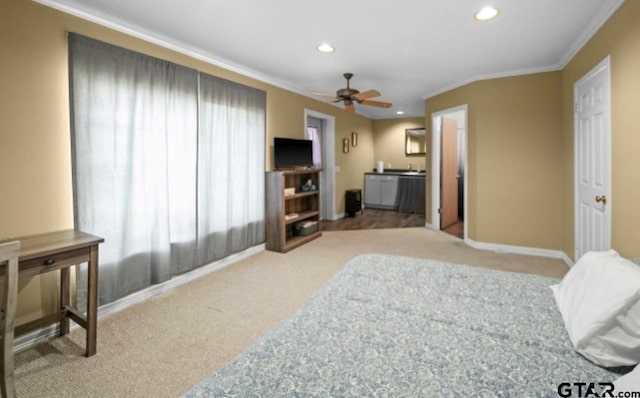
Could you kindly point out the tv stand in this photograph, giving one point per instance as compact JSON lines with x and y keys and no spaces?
{"x":284,"y":212}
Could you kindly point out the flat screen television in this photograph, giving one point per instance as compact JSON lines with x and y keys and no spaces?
{"x":289,"y":153}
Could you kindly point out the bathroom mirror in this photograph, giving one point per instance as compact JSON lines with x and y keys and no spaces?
{"x":415,"y":141}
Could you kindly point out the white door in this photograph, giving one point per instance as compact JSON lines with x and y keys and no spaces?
{"x":593,"y":161}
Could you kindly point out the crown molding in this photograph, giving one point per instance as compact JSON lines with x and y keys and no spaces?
{"x":176,"y":46}
{"x":519,"y":72}
{"x":608,"y":8}
{"x":587,"y":33}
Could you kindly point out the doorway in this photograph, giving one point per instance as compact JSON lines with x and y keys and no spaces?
{"x":449,"y":165}
{"x":592,"y":168}
{"x":326,"y":126}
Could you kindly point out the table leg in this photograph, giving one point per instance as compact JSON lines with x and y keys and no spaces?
{"x":64,"y":299}
{"x":92,"y":302}
{"x":9,"y":299}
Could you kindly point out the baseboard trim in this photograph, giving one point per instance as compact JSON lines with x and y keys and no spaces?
{"x":37,"y":336}
{"x":529,"y":251}
{"x":428,"y":225}
{"x":30,"y":339}
{"x":155,"y":290}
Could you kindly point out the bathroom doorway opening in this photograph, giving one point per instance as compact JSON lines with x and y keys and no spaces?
{"x":449,"y":165}
{"x":326,"y":126}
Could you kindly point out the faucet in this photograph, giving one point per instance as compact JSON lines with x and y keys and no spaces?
{"x":409,"y":166}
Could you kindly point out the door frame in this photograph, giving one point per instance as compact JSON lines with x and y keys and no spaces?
{"x":327,"y":175}
{"x":602,"y":66}
{"x":436,"y":150}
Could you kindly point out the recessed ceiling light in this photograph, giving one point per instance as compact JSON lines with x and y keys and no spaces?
{"x":325,"y":48}
{"x":400,"y":113}
{"x":487,"y":13}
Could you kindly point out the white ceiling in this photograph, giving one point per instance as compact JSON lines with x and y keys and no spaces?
{"x":408,"y":50}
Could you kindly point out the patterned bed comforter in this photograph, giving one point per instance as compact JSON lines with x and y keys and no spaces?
{"x":391,"y":326}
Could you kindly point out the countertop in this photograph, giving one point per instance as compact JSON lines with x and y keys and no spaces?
{"x":402,"y":173}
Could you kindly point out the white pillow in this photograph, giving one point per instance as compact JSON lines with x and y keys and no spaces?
{"x":629,"y":382}
{"x":599,"y":300}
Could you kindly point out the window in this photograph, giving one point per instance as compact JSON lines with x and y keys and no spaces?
{"x":168,"y":164}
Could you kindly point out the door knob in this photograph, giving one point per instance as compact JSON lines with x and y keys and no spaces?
{"x":601,"y":199}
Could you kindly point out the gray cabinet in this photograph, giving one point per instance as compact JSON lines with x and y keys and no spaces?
{"x":380,"y":191}
{"x":371,"y":191}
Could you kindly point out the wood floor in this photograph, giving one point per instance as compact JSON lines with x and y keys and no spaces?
{"x":375,"y":219}
{"x":379,"y":219}
{"x":456,"y":229}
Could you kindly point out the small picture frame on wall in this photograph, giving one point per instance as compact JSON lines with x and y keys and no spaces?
{"x":354,"y":139}
{"x":345,"y":145}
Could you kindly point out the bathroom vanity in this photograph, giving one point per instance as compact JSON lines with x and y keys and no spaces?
{"x":380,"y":191}
{"x":400,"y":190}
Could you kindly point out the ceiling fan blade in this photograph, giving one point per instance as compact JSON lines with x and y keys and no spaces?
{"x":349,"y":108}
{"x":366,"y":94}
{"x":379,"y":104}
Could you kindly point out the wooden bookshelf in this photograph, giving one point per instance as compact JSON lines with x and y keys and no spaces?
{"x":304,"y":204}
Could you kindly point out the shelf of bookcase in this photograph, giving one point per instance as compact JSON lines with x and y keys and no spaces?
{"x":296,"y":241}
{"x":301,"y":195}
{"x":301,"y":216}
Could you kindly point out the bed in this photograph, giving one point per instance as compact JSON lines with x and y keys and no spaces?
{"x":392,"y":326}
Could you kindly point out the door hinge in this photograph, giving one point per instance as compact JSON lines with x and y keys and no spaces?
{"x":440,"y":210}
{"x":575,"y":107}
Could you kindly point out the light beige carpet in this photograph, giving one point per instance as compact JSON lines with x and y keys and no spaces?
{"x":166,"y":345}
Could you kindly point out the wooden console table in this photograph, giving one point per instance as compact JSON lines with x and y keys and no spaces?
{"x":52,"y":252}
{"x":59,"y":251}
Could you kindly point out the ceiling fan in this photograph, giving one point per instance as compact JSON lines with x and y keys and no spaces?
{"x":349,"y":96}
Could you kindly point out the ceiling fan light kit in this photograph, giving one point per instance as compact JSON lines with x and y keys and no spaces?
{"x":348,"y":96}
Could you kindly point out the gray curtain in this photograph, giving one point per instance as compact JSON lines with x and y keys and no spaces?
{"x":410,"y":196}
{"x":313,"y":134}
{"x":137,"y":167}
{"x":231,"y":167}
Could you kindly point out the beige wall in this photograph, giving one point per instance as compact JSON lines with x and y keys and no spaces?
{"x":35,"y":159}
{"x":521,"y":138}
{"x":354,"y":163}
{"x":390,"y":143}
{"x":514,"y":159}
{"x":619,"y":38}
